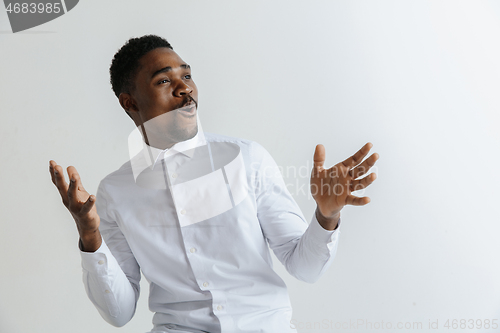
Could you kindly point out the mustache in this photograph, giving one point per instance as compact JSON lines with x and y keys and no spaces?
{"x":188,"y":100}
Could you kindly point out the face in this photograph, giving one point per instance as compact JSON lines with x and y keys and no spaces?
{"x":164,"y":102}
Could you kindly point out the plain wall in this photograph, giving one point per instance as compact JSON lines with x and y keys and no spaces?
{"x":418,"y":79}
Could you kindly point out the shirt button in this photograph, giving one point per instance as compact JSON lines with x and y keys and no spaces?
{"x":205,"y":284}
{"x":174,"y":175}
{"x":100,"y":262}
{"x":192,"y":250}
{"x":219,"y":307}
{"x":183,"y":211}
{"x":107,"y":291}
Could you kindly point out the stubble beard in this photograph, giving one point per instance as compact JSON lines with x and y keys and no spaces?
{"x":178,"y":133}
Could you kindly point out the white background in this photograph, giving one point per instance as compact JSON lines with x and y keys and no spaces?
{"x":418,"y":79}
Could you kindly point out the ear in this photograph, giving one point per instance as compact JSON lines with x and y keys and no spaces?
{"x":130,"y":106}
{"x":128,"y":103}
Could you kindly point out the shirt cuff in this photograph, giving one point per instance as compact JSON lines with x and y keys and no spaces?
{"x":98,"y":261}
{"x":321,"y":234}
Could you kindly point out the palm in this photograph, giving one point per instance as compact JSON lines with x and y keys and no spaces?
{"x":324,"y":182}
{"x":81,"y":197}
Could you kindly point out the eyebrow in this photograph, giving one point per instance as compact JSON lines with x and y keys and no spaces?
{"x":168,"y":69}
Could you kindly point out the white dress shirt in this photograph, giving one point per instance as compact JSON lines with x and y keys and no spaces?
{"x":205,"y":248}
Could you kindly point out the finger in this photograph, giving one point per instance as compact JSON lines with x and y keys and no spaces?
{"x":72,"y":173}
{"x":362,"y":183}
{"x":52,"y":164}
{"x":357,"y":201}
{"x":319,"y":157}
{"x":87,"y":206}
{"x":363,"y":168}
{"x":358,"y":157}
{"x":74,"y":179}
{"x":72,"y":192}
{"x":60,"y":182}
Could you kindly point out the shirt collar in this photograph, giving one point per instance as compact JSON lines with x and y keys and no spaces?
{"x":153,"y":155}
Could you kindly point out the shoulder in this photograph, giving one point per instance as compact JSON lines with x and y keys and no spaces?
{"x":117,"y":178}
{"x":213,"y":137}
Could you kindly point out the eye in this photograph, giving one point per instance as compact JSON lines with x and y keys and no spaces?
{"x":163,"y":81}
{"x":187,"y":76}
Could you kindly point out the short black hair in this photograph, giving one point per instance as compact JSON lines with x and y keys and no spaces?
{"x":125,"y":62}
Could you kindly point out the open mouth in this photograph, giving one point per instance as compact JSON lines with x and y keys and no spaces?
{"x":188,"y":110}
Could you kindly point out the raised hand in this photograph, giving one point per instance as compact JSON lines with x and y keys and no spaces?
{"x":331,"y":188}
{"x":80,"y":204}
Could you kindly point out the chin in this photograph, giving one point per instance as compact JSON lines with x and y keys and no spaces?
{"x":183,"y":134}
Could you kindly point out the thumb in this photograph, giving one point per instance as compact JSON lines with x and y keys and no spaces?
{"x":319,"y":157}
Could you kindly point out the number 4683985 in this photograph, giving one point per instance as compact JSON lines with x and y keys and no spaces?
{"x":471,"y":324}
{"x":33,"y":8}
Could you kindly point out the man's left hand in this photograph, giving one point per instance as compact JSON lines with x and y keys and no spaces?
{"x":331,"y":188}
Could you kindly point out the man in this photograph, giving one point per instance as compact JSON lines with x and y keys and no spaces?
{"x":197,"y":212}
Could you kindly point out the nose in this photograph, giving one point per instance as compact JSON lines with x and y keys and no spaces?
{"x":182,"y":89}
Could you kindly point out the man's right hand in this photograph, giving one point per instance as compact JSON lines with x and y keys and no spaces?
{"x":80,"y":204}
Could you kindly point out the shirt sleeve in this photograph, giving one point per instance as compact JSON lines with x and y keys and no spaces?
{"x":305,"y":250}
{"x":111,"y":274}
